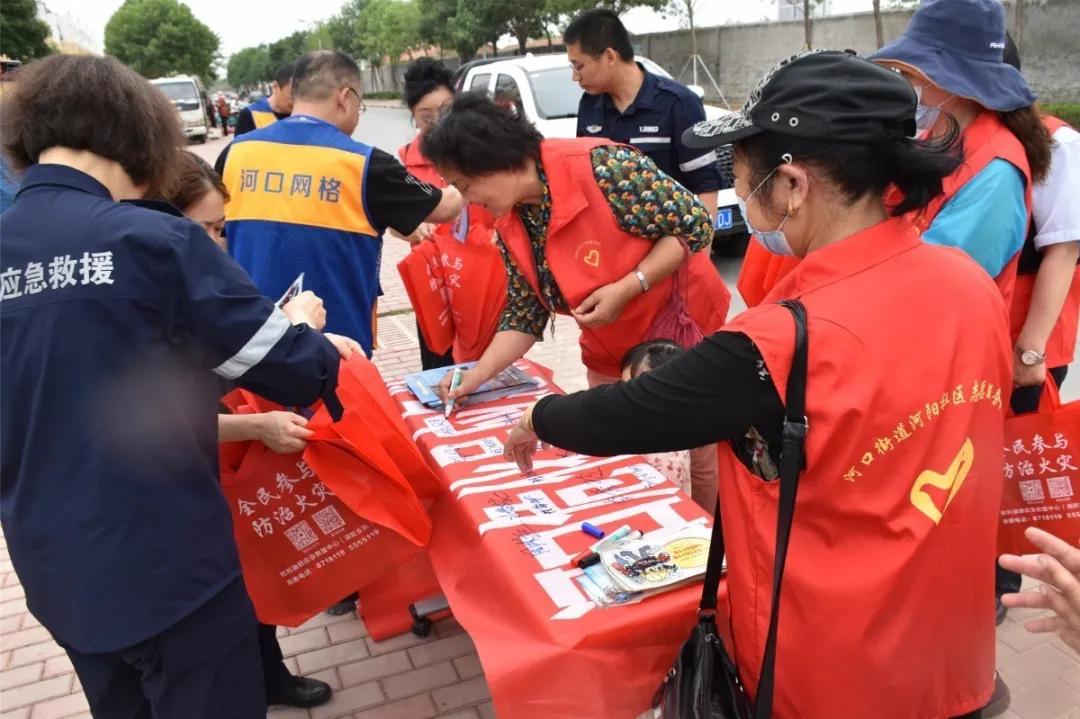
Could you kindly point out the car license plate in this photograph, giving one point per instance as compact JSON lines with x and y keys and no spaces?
{"x":724,"y":219}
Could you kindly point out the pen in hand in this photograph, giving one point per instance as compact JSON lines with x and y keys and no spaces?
{"x":455,"y":382}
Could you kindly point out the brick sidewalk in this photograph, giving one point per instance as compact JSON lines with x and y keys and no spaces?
{"x":411,"y":678}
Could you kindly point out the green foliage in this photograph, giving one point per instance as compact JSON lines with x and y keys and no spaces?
{"x":288,"y":49}
{"x":388,"y":28}
{"x":249,"y":66}
{"x":1067,"y":111}
{"x":22,"y":33}
{"x":158,"y":38}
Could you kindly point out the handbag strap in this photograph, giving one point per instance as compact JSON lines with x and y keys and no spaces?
{"x":791,"y":464}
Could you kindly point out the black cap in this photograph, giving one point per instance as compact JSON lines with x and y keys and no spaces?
{"x":819,"y":94}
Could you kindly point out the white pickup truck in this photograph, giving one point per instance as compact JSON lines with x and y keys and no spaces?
{"x":542,"y":88}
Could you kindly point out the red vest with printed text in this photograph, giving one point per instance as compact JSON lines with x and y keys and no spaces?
{"x":586,"y":249}
{"x":985,"y":139}
{"x":884,"y":611}
{"x":476,"y":301}
{"x":1061,"y":344}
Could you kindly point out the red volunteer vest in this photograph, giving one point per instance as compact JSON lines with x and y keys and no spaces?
{"x":1061,"y":344}
{"x":473,"y":270}
{"x":985,"y":139}
{"x":884,"y":608}
{"x":586,"y":249}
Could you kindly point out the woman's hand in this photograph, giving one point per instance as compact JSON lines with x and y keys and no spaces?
{"x":1059,"y":570}
{"x":306,"y":308}
{"x":521,"y":443}
{"x":471,"y":379}
{"x":344,"y":345}
{"x":1027,"y":376}
{"x":283,"y":432}
{"x":605,"y":304}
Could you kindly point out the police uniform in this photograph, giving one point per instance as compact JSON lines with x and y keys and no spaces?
{"x":654,"y":123}
{"x":120,"y":323}
{"x":307,"y":198}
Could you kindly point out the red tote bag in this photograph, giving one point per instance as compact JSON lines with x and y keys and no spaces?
{"x":423,"y":279}
{"x":1042,"y":473}
{"x":301,"y":548}
{"x":475,"y":278}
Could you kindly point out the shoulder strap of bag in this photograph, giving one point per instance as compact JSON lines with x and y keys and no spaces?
{"x":791,"y":464}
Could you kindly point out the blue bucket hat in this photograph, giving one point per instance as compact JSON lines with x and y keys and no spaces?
{"x":958,"y":45}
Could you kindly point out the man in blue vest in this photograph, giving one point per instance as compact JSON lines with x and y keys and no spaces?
{"x":264,"y":111}
{"x":306,"y":197}
{"x":626,"y":103}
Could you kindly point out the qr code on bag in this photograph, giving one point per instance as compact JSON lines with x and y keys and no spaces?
{"x":301,"y":535}
{"x":1060,"y":487}
{"x":329,"y":520}
{"x":1031,"y":490}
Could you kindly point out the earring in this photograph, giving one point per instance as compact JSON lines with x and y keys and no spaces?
{"x":792,"y":211}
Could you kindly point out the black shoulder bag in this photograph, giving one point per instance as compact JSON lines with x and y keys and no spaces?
{"x":704,"y":682}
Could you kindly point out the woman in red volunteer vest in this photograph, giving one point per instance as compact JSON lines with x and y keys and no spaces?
{"x":952,"y":53}
{"x":885,"y":611}
{"x":587,"y":228}
{"x":429,"y":90}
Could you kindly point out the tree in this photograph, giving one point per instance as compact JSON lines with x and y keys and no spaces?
{"x":158,"y":38}
{"x":22,"y":33}
{"x":288,"y":49}
{"x":249,"y":67}
{"x":526,"y":19}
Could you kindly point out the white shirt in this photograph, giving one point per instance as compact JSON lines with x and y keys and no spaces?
{"x":1056,"y":199}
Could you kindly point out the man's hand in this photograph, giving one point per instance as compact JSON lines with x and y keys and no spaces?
{"x":1059,"y":570}
{"x":605,"y":304}
{"x":283,"y":432}
{"x":344,"y":345}
{"x":306,"y":308}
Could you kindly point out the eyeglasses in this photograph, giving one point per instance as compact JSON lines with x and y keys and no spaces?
{"x":362,"y":108}
{"x":427,"y":118}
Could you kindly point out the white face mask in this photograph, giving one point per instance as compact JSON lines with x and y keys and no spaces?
{"x":775,"y":241}
{"x":926,"y":116}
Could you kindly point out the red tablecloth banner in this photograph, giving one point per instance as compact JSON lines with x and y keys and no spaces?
{"x":502,"y":546}
{"x":1042,"y":473}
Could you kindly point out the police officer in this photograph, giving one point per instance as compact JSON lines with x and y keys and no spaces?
{"x":306,"y":197}
{"x":120,"y":321}
{"x":626,"y":103}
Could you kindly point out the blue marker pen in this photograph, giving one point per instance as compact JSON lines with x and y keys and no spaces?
{"x":592,"y":531}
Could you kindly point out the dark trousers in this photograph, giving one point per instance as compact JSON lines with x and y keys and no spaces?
{"x":428,"y":359}
{"x":205,"y":665}
{"x":276,"y":675}
{"x":1024,"y":399}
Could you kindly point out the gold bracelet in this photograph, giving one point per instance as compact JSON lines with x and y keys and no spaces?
{"x":526,"y":419}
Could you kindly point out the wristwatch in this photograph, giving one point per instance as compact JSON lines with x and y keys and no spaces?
{"x":1030,"y":358}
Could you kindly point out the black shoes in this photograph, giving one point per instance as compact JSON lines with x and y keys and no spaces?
{"x":999,"y":700}
{"x":301,"y":692}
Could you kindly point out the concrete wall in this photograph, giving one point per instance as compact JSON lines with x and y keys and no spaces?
{"x":738,"y":55}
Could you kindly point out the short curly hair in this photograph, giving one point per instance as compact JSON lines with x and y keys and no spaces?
{"x":477,"y":137}
{"x":95,"y":104}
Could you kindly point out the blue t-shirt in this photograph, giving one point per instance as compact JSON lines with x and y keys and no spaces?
{"x":986,"y":218}
{"x":120,"y":324}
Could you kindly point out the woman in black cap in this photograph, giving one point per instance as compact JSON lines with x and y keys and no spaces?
{"x":883,"y":611}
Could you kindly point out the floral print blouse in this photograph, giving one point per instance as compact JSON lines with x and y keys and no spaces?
{"x":645,"y":201}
